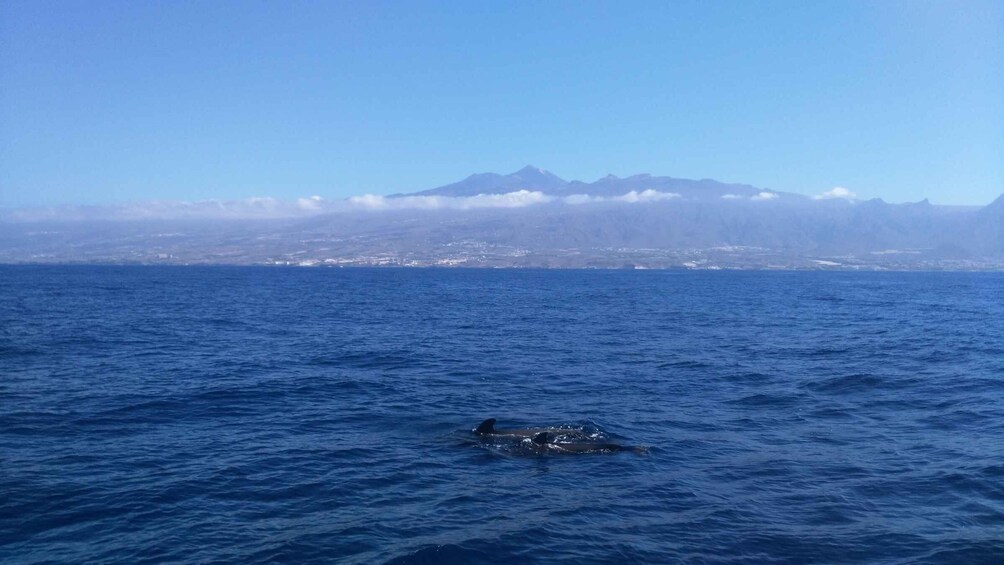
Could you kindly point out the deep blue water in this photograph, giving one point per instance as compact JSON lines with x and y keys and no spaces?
{"x":295,"y":415}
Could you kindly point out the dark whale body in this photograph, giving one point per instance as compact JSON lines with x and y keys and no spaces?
{"x":487,"y":428}
{"x":542,"y":442}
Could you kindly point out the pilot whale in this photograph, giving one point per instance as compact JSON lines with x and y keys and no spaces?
{"x":487,"y":428}
{"x":542,"y":442}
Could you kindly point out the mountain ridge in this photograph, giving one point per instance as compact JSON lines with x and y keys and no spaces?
{"x":536,"y":179}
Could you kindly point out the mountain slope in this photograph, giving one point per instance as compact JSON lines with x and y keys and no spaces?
{"x":527,"y":178}
{"x":534,"y":179}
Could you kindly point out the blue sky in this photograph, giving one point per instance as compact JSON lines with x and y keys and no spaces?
{"x":107,"y":101}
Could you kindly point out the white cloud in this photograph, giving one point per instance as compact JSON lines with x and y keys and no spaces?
{"x":516,"y":199}
{"x":582,"y":199}
{"x":632,"y":197}
{"x":249,"y":208}
{"x":253,"y":207}
{"x":369,"y":201}
{"x":647,"y":196}
{"x":732,"y":196}
{"x":311,"y":204}
{"x":273,"y":208}
{"x":836,"y":192}
{"x":510,"y":200}
{"x":765,"y":196}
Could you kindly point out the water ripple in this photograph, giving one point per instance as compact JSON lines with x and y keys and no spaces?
{"x":294,"y":415}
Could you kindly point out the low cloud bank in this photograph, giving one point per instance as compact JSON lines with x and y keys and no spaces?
{"x":836,"y":192}
{"x":758,"y":197}
{"x":245,"y":209}
{"x":518,"y":199}
{"x":645,"y":196}
{"x":273,"y":208}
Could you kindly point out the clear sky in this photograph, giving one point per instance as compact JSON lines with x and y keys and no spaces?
{"x":122,"y":101}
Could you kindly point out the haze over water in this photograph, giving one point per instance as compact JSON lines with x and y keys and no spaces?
{"x":258,"y":415}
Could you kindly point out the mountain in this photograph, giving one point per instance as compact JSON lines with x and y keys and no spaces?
{"x":989,"y":227}
{"x":705,"y":189}
{"x":535,"y":179}
{"x":995,"y":210}
{"x":527,"y":178}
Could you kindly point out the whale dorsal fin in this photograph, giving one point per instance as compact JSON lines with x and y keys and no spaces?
{"x":486,"y":427}
{"x":540,"y":439}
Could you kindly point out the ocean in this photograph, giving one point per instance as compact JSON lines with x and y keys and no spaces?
{"x":253,"y":415}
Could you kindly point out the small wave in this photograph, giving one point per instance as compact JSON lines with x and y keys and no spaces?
{"x":13,"y":351}
{"x":684,"y":364}
{"x":958,"y":419}
{"x":766,"y":401}
{"x":370,"y":360}
{"x":847,"y":384}
{"x":749,"y":378}
{"x":446,"y":553}
{"x":825,"y":352}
